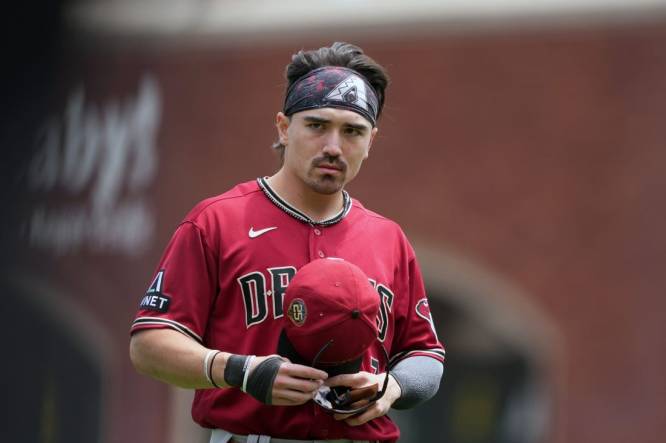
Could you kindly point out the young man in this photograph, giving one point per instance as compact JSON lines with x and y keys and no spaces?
{"x":213,"y":314}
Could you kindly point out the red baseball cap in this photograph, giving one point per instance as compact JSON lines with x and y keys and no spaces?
{"x":330,"y":315}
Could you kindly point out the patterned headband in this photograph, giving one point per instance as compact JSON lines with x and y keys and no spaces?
{"x":333,"y":87}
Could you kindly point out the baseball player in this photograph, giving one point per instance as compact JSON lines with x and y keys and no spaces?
{"x":214,"y":311}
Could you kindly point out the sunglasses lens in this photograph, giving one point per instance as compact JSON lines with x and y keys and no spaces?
{"x":339,"y":396}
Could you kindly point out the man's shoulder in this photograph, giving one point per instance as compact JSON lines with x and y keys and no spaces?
{"x":235,"y":197}
{"x":375,"y":225}
{"x":373,"y":217}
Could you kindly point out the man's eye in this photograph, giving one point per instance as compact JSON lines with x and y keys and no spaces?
{"x":353,"y":131}
{"x":315,"y":125}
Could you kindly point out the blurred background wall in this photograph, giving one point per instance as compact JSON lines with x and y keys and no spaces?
{"x":522,"y":150}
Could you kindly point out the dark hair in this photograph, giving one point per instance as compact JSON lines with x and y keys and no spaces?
{"x":338,"y":54}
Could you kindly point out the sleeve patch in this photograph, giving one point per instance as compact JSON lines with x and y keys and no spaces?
{"x":154,"y":300}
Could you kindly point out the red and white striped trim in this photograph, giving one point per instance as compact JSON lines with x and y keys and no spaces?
{"x":437,"y":353}
{"x":155,"y":322}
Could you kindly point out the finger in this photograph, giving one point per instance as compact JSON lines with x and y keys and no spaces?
{"x":288,"y":397}
{"x":300,"y":371}
{"x":355,"y":405}
{"x":350,"y":380}
{"x":371,"y":413}
{"x":296,"y":384}
{"x":359,"y":403}
{"x":362,"y":393}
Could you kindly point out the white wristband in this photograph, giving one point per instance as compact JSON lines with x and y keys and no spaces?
{"x":246,"y":371}
{"x":205,"y":365}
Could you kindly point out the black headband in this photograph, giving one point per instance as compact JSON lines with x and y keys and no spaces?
{"x":333,"y":87}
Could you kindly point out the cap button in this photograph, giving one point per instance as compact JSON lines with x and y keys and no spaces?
{"x":356,"y":313}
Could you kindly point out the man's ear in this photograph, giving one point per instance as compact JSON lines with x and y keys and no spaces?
{"x":282,"y":124}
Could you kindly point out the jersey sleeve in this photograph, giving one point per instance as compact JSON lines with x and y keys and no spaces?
{"x":184,"y":286}
{"x":415,"y":328}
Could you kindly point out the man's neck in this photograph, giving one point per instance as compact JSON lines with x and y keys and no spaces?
{"x":317,"y":206}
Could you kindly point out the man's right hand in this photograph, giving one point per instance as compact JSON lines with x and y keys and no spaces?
{"x":294,"y":384}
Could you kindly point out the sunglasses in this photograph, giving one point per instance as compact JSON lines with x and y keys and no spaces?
{"x":339,"y":399}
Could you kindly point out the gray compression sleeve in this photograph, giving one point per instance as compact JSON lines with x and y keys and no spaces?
{"x":418,"y":378}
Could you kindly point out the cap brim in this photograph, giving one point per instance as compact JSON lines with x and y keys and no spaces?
{"x":286,"y":349}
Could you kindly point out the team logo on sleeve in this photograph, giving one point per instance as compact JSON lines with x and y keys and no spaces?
{"x":423,"y":311}
{"x":154,"y":300}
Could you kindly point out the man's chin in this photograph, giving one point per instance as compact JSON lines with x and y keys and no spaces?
{"x":326,"y":185}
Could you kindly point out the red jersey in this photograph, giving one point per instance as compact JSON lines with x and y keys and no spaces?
{"x":222,"y":279}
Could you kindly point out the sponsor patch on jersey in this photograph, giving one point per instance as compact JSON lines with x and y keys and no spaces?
{"x":297,"y":312}
{"x":154,"y":300}
{"x":423,"y":311}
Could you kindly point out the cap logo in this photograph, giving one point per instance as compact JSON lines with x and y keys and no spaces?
{"x":297,"y":312}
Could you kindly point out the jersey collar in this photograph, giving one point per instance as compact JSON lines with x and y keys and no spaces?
{"x":294,"y":212}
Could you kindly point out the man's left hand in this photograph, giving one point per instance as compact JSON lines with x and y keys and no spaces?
{"x":360,"y":380}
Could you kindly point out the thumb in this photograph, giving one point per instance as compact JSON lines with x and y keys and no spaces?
{"x":349,"y":380}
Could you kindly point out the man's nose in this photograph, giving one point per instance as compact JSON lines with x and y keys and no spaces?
{"x":333,"y":144}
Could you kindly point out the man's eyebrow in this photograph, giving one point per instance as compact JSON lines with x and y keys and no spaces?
{"x":357,"y":126}
{"x":312,"y":119}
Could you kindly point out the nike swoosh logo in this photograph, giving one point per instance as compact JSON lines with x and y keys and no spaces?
{"x":255,"y":234}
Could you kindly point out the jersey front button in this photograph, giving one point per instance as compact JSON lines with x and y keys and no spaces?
{"x":321,"y":254}
{"x":317,"y":232}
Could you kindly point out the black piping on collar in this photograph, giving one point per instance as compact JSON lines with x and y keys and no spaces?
{"x":289,"y":209}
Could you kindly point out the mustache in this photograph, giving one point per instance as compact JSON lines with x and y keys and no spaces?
{"x":334,"y":162}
